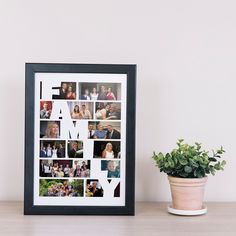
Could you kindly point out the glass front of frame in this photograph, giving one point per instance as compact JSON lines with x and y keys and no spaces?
{"x":80,"y":139}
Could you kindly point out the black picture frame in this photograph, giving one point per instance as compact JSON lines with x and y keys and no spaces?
{"x":29,"y":207}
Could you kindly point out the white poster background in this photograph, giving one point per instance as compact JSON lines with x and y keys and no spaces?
{"x":54,"y":80}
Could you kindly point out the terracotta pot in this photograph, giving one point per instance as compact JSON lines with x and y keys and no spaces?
{"x":187,"y":194}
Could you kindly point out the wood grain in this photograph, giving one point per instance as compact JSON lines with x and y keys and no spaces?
{"x":151,"y":219}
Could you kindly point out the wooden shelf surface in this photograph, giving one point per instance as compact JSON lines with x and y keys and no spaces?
{"x":151,"y":219}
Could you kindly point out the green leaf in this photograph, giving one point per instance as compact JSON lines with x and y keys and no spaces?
{"x":189,"y":161}
{"x":217,"y":166}
{"x":175,"y":161}
{"x":193,"y":163}
{"x":180,"y":140}
{"x":223,"y":163}
{"x":183,"y":174}
{"x":188,"y":169}
{"x":183,"y":162}
{"x":212,"y":159}
{"x":171,"y":164}
{"x":166,"y":165}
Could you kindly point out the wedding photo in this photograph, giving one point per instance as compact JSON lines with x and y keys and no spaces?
{"x":100,"y":91}
{"x":66,"y":91}
{"x":108,"y":111}
{"x":107,"y":149}
{"x":61,"y":188}
{"x":103,"y":130}
{"x":52,"y":148}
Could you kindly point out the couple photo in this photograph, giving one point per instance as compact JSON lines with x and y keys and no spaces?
{"x":81,"y":110}
{"x":108,"y":111}
{"x":66,"y":91}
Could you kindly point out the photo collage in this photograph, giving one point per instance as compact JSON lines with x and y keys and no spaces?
{"x":79,"y":152}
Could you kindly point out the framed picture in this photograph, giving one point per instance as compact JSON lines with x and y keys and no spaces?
{"x":79,"y":139}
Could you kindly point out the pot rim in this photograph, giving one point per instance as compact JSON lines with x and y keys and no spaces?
{"x":187,"y":180}
{"x":170,"y":176}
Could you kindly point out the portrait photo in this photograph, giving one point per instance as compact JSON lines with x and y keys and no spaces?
{"x":75,"y":149}
{"x":67,"y":91}
{"x":104,"y":130}
{"x":52,"y":148}
{"x":61,"y":188}
{"x":45,"y":109}
{"x":50,"y":129}
{"x":99,"y":91}
{"x":81,"y":110}
{"x":108,"y":111}
{"x":107,"y":149}
{"x":112,"y":167}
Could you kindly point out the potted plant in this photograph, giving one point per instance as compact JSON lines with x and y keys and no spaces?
{"x":187,"y":167}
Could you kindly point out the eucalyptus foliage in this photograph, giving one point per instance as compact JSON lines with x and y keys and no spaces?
{"x":189,"y":161}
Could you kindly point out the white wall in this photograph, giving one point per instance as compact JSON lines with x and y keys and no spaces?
{"x":186,"y":55}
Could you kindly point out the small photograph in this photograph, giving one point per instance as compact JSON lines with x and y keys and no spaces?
{"x":103,"y":130}
{"x":64,"y":168}
{"x":100,"y":91}
{"x":61,"y":188}
{"x":108,"y":150}
{"x":55,"y":168}
{"x":81,"y":110}
{"x":93,"y":188}
{"x":66,"y":91}
{"x":45,"y":109}
{"x":108,"y":111}
{"x":50,"y":129}
{"x":75,"y":149}
{"x":52,"y":148}
{"x":112,"y":167}
{"x":81,"y":168}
